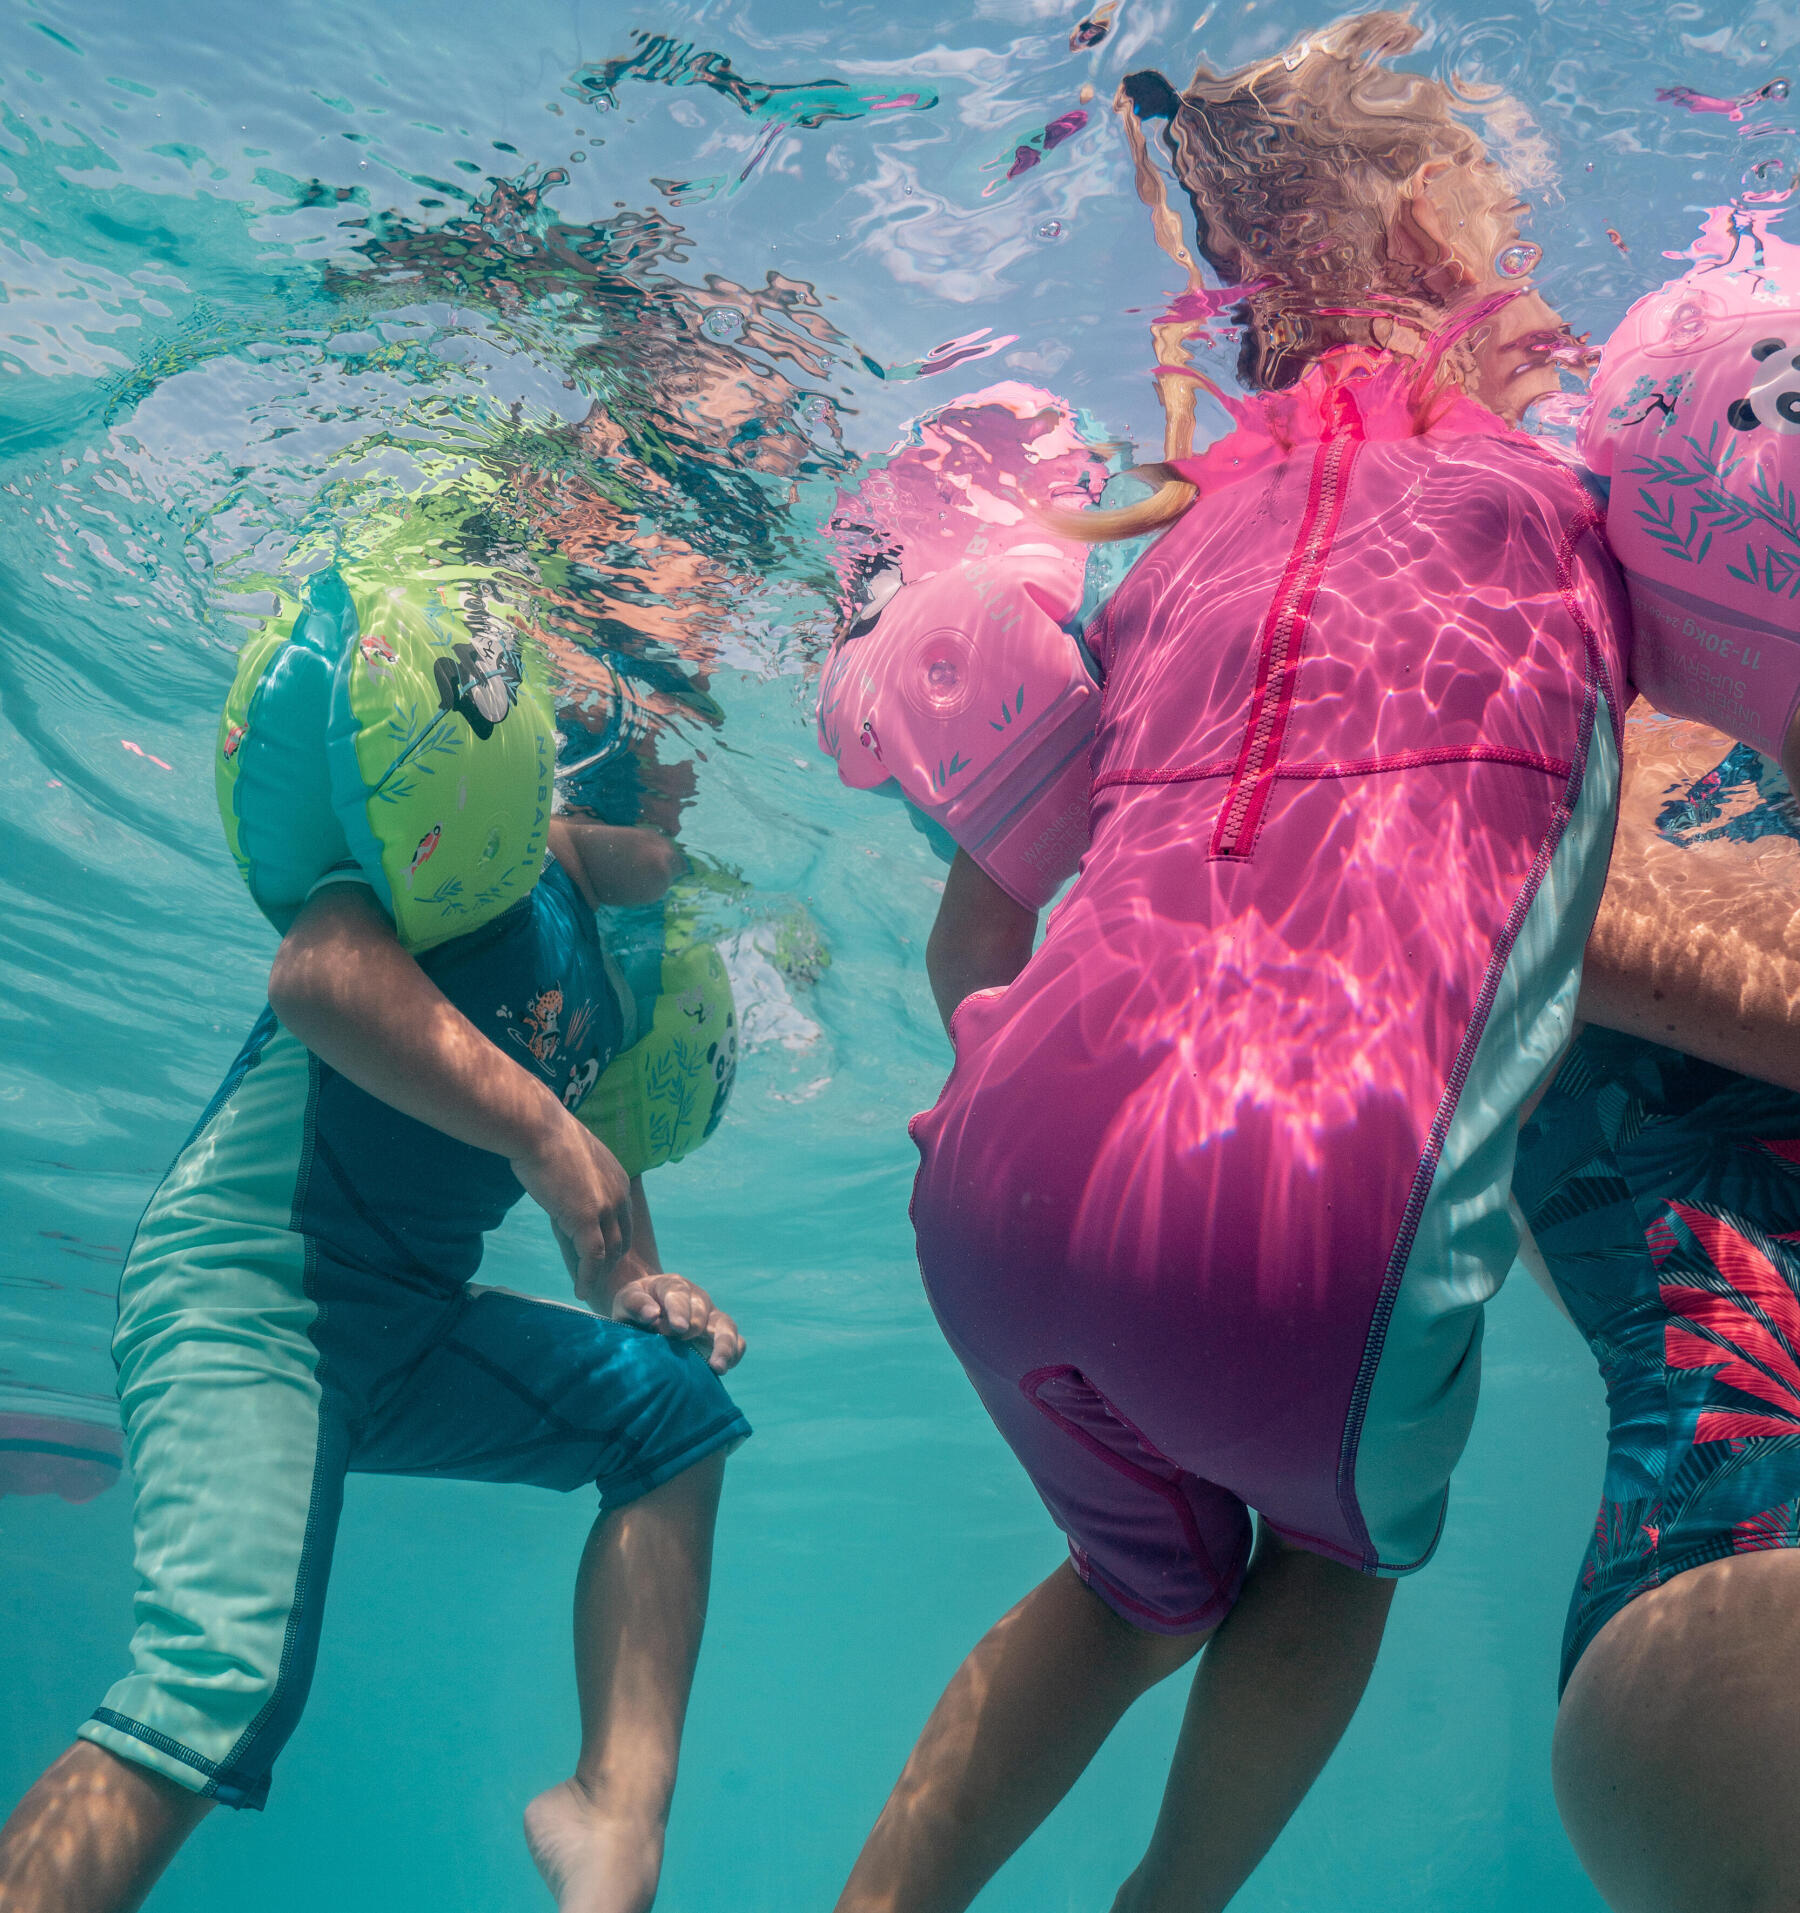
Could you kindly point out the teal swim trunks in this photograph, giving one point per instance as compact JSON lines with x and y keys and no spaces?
{"x":297,"y":1306}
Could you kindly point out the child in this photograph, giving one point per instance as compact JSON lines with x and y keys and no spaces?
{"x":298,"y":1304}
{"x":1216,"y":1191}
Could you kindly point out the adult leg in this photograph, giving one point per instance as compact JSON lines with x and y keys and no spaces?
{"x":1677,"y":1756}
{"x":1275,"y":1690}
{"x":93,"y":1836}
{"x":640,"y":1607}
{"x":1020,"y":1720}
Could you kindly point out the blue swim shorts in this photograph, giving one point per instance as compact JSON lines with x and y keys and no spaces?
{"x":1664,"y":1195}
{"x":257,"y":1368}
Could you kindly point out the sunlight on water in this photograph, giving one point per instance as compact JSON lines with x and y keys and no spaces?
{"x":657,"y":314}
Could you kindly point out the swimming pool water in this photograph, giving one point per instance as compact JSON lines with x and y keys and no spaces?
{"x":264,"y":274}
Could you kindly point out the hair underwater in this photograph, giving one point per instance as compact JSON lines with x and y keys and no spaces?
{"x":1294,"y":167}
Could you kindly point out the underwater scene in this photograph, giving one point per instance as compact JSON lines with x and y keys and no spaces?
{"x":649,"y":351}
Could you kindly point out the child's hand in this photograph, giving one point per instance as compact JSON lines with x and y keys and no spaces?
{"x":579,"y":1184}
{"x":675,"y":1307}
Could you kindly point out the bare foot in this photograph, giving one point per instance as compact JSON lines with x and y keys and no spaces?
{"x":592,"y":1859}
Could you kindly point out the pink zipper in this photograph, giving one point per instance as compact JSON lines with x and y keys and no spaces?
{"x":1284,"y":632}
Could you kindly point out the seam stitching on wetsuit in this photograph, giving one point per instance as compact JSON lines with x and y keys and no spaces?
{"x":256,"y":1786}
{"x":1170,"y":1491}
{"x":1284,"y":632}
{"x":509,"y":1381}
{"x":335,"y":1169}
{"x":124,"y":1724}
{"x":708,"y":1440}
{"x":1348,"y":767}
{"x":1447,"y":1107}
{"x":248,"y":1058}
{"x":1585,"y":518}
{"x":1578,"y":528}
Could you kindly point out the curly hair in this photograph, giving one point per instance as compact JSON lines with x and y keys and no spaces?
{"x":1297,"y":167}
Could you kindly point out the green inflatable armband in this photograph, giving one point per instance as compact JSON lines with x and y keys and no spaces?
{"x":402,"y":719}
{"x":664,"y":1095}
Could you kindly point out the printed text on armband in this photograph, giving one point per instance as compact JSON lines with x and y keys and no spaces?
{"x":1728,"y":650}
{"x":1049,"y":846}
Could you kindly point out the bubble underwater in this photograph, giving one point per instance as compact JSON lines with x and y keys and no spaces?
{"x":670,"y":309}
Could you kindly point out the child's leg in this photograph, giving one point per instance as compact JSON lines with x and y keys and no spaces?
{"x":1277,"y":1687}
{"x":1023,"y":1716}
{"x":640,"y":1606}
{"x":93,"y":1835}
{"x":512,"y":1388}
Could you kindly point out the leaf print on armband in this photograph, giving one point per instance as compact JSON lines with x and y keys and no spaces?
{"x":1690,"y":497}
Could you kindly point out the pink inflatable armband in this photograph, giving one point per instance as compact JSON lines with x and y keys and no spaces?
{"x":52,"y":1455}
{"x":968,"y":693}
{"x":1695,"y":418}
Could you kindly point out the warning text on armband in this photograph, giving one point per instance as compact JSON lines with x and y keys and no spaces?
{"x":1730,"y":651}
{"x":1049,"y":849}
{"x":982,"y":582}
{"x":1712,"y":675}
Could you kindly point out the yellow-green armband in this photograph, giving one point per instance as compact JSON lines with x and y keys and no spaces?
{"x":664,"y":1095}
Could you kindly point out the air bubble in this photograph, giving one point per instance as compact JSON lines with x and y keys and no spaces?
{"x":1050,"y":229}
{"x":1776,"y":90}
{"x":723,"y":323}
{"x":1516,"y":261}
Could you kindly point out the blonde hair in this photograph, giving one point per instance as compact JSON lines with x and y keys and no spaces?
{"x":1296,"y":168}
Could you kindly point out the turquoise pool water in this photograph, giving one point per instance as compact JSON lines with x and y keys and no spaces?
{"x":266,"y":273}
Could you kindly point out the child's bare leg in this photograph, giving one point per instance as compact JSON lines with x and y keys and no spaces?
{"x":1023,"y":1716}
{"x":1271,"y":1699}
{"x":93,"y":1835}
{"x":640,"y":1606}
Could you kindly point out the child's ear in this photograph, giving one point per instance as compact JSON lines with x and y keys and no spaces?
{"x":1419,"y":236}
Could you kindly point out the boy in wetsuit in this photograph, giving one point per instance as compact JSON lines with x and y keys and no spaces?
{"x":297,"y":1304}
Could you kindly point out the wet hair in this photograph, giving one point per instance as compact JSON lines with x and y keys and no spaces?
{"x":1295,"y":167}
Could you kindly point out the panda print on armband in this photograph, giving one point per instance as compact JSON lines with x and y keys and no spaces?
{"x":722,"y":1058}
{"x":582,"y":1078}
{"x":1774,"y":397}
{"x":481,"y":676}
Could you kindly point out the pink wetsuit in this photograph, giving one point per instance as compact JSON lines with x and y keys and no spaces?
{"x":1214,"y":1195}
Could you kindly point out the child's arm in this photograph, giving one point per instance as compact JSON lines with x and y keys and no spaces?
{"x":613,"y":863}
{"x":982,"y":937}
{"x":346,"y":989}
{"x":1697,"y":944}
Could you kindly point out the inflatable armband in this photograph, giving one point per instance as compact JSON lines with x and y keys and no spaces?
{"x":402,"y":720}
{"x":970,"y":695}
{"x":1694,"y":415}
{"x":52,"y":1455}
{"x":664,"y":1095}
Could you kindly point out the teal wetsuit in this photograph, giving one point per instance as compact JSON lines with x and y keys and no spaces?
{"x":297,"y":1304}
